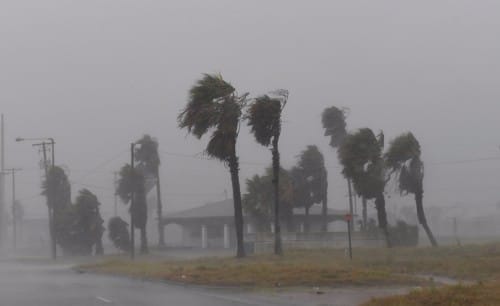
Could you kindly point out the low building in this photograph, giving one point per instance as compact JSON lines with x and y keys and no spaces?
{"x":212,"y":225}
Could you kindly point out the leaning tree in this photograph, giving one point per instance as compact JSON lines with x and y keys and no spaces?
{"x":403,"y":159}
{"x":131,"y":183}
{"x":334,"y":123}
{"x":362,"y":162}
{"x":214,"y":106}
{"x":148,"y":161}
{"x":264,"y":118}
{"x":89,"y":221}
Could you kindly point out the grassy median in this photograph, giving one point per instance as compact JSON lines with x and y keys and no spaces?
{"x":325,"y":267}
{"x":479,"y":294}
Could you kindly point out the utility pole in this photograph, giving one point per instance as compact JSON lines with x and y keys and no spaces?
{"x":349,"y":185}
{"x":2,"y":181}
{"x":50,"y":207}
{"x":132,"y":196}
{"x":13,"y":171}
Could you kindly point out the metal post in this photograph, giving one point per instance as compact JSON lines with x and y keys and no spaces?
{"x":349,"y":220}
{"x":115,"y":195}
{"x":132,"y":238}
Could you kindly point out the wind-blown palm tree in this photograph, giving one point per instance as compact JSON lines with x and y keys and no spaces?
{"x":403,"y":158}
{"x":361,"y":158}
{"x":131,"y":182}
{"x":146,"y":154}
{"x":312,"y":175}
{"x":334,"y":123}
{"x":215,"y":106}
{"x":89,"y":220}
{"x":264,"y":118}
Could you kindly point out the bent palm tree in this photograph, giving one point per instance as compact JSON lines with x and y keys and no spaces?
{"x":146,"y":154}
{"x":264,"y":118}
{"x":403,"y":158}
{"x":334,"y":123}
{"x":361,"y":158}
{"x":214,"y":105}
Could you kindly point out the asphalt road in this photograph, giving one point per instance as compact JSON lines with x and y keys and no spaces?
{"x":50,"y":285}
{"x":28,"y":284}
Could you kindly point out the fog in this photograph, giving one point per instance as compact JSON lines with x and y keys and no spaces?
{"x":97,"y":75}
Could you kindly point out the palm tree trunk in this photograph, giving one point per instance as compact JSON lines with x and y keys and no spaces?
{"x":159,"y":211}
{"x":324,"y":209}
{"x":422,"y":219}
{"x":144,"y":241}
{"x":238,"y":210}
{"x":306,"y":221}
{"x":365,"y":213}
{"x":278,"y":248}
{"x":382,"y":217}
{"x":351,"y":211}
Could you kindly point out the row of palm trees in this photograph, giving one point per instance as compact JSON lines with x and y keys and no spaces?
{"x":214,"y":106}
{"x":361,"y":154}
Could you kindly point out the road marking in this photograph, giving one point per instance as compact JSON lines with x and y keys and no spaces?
{"x":103,"y":300}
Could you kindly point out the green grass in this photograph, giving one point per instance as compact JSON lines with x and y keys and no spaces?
{"x":325,"y":267}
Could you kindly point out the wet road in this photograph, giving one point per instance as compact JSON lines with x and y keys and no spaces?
{"x":49,"y":285}
{"x":28,"y":284}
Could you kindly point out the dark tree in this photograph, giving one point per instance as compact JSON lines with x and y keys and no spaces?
{"x":89,"y":221}
{"x":148,"y":159}
{"x":215,"y":106}
{"x":311,"y":177}
{"x":361,"y":158}
{"x":403,"y":159}
{"x":132,"y":182}
{"x":258,"y":202}
{"x":264,"y":118}
{"x":119,"y":234}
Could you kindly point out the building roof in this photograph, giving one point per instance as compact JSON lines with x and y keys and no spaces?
{"x":225,"y":208}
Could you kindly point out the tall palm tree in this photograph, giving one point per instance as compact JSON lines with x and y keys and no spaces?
{"x":334,"y":123}
{"x":146,"y":154}
{"x":361,"y":158}
{"x":264,"y":118}
{"x":403,"y":158}
{"x":215,"y":106}
{"x":131,"y":182}
{"x":311,"y":164}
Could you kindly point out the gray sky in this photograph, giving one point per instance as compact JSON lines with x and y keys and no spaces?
{"x":96,"y":75}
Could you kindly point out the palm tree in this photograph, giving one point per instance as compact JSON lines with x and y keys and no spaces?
{"x":89,"y":221}
{"x":361,"y":158}
{"x":131,"y":182}
{"x":403,"y":158}
{"x":264,"y":118}
{"x":258,"y":202}
{"x":214,"y":105}
{"x":334,"y":123}
{"x":311,"y":168}
{"x":146,"y":154}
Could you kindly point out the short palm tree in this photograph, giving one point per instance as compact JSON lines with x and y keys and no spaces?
{"x":403,"y":159}
{"x":361,"y":158}
{"x":215,"y":106}
{"x":312,"y":164}
{"x":131,"y":182}
{"x":264,"y":118}
{"x":146,"y":154}
{"x":89,"y":220}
